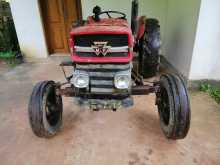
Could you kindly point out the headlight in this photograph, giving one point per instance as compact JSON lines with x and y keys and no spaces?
{"x":122,"y":81}
{"x":80,"y":80}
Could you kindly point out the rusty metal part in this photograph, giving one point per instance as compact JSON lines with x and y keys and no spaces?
{"x":71,"y":92}
{"x":137,"y":78}
{"x":143,"y":90}
{"x":67,"y":64}
{"x":136,"y":90}
{"x":67,"y":92}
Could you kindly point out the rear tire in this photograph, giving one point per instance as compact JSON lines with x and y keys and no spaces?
{"x":45,"y":110}
{"x":149,"y":49}
{"x":174,"y":107}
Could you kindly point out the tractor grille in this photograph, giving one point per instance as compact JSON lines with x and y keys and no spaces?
{"x":113,"y":40}
{"x":102,"y":76}
{"x":116,"y":42}
{"x":91,"y":54}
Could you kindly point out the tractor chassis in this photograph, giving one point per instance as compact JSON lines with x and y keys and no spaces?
{"x":46,"y":107}
{"x":140,"y":88}
{"x":136,"y":90}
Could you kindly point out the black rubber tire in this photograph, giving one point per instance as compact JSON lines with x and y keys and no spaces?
{"x":42,"y":100}
{"x":153,"y":35}
{"x":149,"y":48}
{"x":174,"y":107}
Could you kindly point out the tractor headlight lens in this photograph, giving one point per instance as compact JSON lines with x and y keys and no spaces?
{"x":80,"y":80}
{"x":122,"y":81}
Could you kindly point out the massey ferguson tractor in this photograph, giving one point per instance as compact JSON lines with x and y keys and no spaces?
{"x":110,"y":63}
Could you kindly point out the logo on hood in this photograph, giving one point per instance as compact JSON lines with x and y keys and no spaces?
{"x":101,"y":48}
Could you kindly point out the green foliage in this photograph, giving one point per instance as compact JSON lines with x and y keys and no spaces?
{"x":10,"y":58}
{"x":212,"y":91}
{"x":7,"y":54}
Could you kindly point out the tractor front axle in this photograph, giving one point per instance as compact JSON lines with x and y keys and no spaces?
{"x":136,"y":90}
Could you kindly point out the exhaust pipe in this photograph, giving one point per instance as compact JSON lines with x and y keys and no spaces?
{"x":134,"y":16}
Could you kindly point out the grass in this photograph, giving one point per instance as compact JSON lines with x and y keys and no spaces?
{"x":7,"y":55}
{"x":212,"y":91}
{"x":10,"y":58}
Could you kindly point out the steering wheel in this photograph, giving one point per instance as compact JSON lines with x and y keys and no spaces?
{"x":108,"y":13}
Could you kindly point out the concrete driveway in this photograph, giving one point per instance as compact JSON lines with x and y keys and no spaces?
{"x":126,"y":137}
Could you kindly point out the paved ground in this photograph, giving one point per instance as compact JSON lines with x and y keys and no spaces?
{"x":126,"y":137}
{"x":3,"y":67}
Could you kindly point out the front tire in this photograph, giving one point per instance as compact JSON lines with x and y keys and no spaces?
{"x":174,"y":107}
{"x":45,"y":110}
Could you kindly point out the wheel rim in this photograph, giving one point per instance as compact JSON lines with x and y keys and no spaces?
{"x":52,"y":107}
{"x":164,"y":106}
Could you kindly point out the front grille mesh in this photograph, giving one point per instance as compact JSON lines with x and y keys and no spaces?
{"x":91,"y":54}
{"x":113,"y":40}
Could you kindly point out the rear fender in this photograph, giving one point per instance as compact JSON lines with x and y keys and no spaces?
{"x":141,"y":27}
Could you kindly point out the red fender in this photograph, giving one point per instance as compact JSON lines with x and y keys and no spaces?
{"x":141,"y":27}
{"x":90,"y":19}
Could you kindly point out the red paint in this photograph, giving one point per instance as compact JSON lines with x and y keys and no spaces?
{"x":105,"y":26}
{"x":71,"y":43}
{"x":141,"y":27}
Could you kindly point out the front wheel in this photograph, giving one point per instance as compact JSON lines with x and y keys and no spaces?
{"x":174,"y":107}
{"x":45,"y":110}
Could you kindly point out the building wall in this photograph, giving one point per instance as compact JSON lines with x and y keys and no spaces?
{"x":26,"y":15}
{"x":180,"y":31}
{"x":206,"y":56}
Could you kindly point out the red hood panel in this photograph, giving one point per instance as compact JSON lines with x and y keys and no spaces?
{"x":105,"y":26}
{"x":93,"y":29}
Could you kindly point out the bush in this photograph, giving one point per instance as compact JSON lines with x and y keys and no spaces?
{"x":12,"y":58}
{"x":212,"y":91}
{"x":8,"y":54}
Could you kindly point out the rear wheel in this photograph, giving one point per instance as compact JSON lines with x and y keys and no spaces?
{"x":149,"y":58}
{"x":174,"y":107}
{"x":45,"y":110}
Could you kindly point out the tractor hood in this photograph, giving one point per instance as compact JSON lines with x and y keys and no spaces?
{"x":105,"y":26}
{"x":84,"y":35}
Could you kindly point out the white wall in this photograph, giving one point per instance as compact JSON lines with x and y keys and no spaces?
{"x":26,"y":15}
{"x":206,"y":56}
{"x":180,"y":30}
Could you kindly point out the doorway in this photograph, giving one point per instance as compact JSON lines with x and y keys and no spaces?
{"x":58,"y":16}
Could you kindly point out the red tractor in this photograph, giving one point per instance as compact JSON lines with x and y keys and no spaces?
{"x":110,"y":62}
